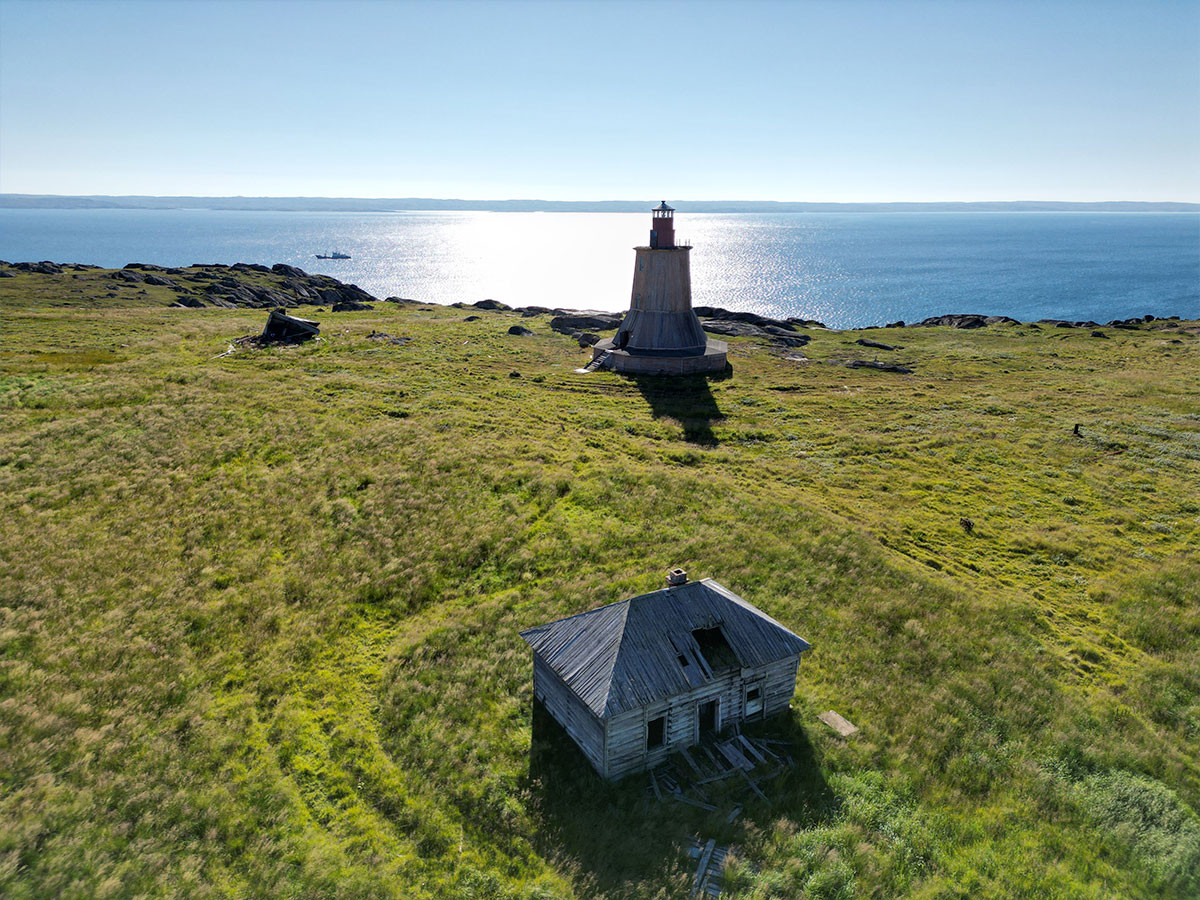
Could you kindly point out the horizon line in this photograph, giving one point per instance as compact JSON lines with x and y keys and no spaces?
{"x":315,"y":203}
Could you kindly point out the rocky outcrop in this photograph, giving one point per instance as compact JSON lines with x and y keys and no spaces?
{"x":777,"y":334}
{"x":882,"y":367}
{"x":45,"y":267}
{"x":963,"y":320}
{"x":288,"y":271}
{"x":864,"y":342}
{"x":568,"y":324}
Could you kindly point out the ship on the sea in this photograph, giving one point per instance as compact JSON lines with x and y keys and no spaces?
{"x":333,"y":255}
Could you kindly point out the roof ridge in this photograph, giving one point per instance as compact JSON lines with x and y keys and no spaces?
{"x":615,"y":657}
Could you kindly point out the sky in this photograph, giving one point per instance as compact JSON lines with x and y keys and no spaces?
{"x":795,"y":101}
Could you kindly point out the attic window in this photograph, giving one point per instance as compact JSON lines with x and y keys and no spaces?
{"x":656,"y":730}
{"x":717,"y":652}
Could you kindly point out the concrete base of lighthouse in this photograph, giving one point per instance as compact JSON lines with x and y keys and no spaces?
{"x":713,"y":359}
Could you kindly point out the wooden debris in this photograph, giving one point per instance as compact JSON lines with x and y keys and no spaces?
{"x":733,"y":814}
{"x":750,"y":747}
{"x":838,"y":724}
{"x":754,"y":787}
{"x":702,"y":869}
{"x":687,"y":757}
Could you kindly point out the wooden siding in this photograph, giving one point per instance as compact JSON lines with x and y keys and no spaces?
{"x":625,"y":748}
{"x":584,"y":728}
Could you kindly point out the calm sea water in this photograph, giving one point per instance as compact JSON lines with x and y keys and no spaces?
{"x":845,"y":269}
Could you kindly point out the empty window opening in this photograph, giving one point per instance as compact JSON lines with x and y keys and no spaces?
{"x":717,"y":652}
{"x":754,"y":700}
{"x":656,"y":732}
{"x":683,"y":660}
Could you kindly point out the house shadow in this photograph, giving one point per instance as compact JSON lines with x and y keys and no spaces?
{"x":616,"y":839}
{"x":687,"y":399}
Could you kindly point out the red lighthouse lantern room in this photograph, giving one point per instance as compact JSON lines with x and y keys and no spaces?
{"x":662,"y":234}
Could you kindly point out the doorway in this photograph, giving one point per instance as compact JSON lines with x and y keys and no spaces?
{"x":708,"y":718}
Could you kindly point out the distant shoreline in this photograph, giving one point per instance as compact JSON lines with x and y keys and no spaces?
{"x":429,"y":204}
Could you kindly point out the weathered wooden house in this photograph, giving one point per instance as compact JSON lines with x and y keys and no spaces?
{"x":634,"y":681}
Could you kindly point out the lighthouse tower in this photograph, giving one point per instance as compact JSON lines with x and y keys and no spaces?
{"x":660,"y":335}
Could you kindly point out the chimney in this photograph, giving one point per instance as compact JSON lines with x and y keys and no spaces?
{"x":676,"y":577}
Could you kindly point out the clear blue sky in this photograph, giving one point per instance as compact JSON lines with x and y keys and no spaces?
{"x":846,"y":101}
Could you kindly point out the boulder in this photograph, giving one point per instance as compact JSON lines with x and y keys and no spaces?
{"x":144,"y":267}
{"x":876,"y":344}
{"x":1099,"y":334}
{"x":490,"y":304}
{"x":132,"y":275}
{"x":882,"y":367}
{"x":570,"y":323}
{"x":190,"y":301}
{"x":160,"y":280}
{"x":529,"y":311}
{"x":250,"y":267}
{"x":288,"y":271}
{"x":7,"y":274}
{"x":350,"y":306}
{"x":520,"y":331}
{"x":587,"y":339}
{"x":471,"y":319}
{"x":404,"y":300}
{"x":899,"y":323}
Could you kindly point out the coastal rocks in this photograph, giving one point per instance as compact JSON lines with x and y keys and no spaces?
{"x":881,"y":367}
{"x":530,"y":311}
{"x":777,"y":334}
{"x":964,"y":320}
{"x":288,"y":271}
{"x":405,"y":301}
{"x":586,"y":338}
{"x":1066,"y":323}
{"x":351,"y":306}
{"x":876,"y":344}
{"x":45,"y":267}
{"x":725,"y":315}
{"x":899,"y":323}
{"x":520,"y":331}
{"x":568,"y":324}
{"x":160,"y":280}
{"x":490,"y":304}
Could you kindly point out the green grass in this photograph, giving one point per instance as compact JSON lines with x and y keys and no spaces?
{"x":258,"y":614}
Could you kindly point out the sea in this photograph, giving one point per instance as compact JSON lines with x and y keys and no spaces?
{"x":846,"y":269}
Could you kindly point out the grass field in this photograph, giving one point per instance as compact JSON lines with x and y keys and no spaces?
{"x":259,"y":613}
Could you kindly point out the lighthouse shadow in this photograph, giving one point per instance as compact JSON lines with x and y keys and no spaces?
{"x":685,"y":398}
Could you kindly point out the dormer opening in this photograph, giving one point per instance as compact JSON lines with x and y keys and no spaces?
{"x":715,"y":649}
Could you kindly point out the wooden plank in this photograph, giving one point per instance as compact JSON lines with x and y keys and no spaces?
{"x":749,"y":746}
{"x":696,"y":803}
{"x":733,"y":814}
{"x":687,"y":757}
{"x":838,"y":724}
{"x":754,"y":787}
{"x":654,"y":784}
{"x":702,"y":869}
{"x":735,"y":759}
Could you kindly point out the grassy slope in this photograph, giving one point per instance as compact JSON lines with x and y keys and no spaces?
{"x":258,"y":614}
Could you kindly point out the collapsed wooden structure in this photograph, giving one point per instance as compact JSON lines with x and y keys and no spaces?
{"x":635,"y":681}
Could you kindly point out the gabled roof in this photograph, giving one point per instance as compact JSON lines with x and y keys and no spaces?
{"x":627,"y":654}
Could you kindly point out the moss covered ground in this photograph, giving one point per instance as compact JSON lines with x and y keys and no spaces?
{"x":259,"y":612}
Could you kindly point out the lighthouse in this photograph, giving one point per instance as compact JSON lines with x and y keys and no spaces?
{"x":661,"y":335}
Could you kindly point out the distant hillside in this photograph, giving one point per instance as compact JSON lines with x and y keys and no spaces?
{"x":353,"y":204}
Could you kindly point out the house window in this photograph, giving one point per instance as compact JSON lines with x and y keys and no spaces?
{"x":656,"y":732}
{"x":754,"y":699}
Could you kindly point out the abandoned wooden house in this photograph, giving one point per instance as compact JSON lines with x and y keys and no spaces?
{"x":634,"y":681}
